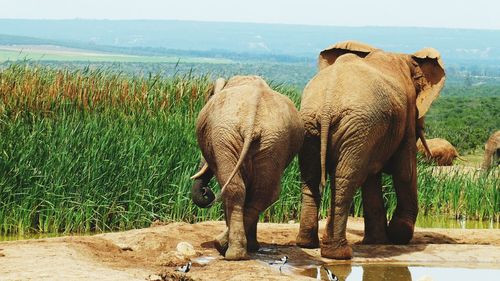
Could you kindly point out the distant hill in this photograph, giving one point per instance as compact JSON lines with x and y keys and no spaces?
{"x":277,"y":41}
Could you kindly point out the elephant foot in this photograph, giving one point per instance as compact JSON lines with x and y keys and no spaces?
{"x":253,"y":245}
{"x":307,"y":240}
{"x":338,"y":251}
{"x":372,"y":239}
{"x":400,"y":231}
{"x":221,"y":242}
{"x":234,"y":253}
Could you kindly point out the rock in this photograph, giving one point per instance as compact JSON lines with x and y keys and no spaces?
{"x":186,"y":249}
{"x":172,"y":258}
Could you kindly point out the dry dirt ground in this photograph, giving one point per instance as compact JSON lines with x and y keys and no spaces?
{"x":148,"y":254}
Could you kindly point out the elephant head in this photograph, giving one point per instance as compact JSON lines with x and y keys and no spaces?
{"x":201,"y":194}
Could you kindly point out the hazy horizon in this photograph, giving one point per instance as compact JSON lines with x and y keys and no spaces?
{"x":249,"y":22}
{"x":460,"y":14}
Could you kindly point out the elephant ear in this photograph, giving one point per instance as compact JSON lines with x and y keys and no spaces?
{"x":217,"y":87}
{"x":329,"y":55}
{"x":429,"y":77}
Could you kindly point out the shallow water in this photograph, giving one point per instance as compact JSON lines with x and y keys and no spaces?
{"x":422,"y":221}
{"x":447,"y":222}
{"x":396,"y":272}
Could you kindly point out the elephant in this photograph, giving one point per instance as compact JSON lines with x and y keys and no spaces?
{"x":248,"y":134}
{"x":442,"y":152}
{"x":492,"y":151}
{"x":363,"y":112}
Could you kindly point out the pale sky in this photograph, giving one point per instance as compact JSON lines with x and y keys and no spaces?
{"x":484,"y":14}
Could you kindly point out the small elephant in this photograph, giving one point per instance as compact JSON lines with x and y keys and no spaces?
{"x":248,"y":134}
{"x":492,"y":151}
{"x":442,"y":152}
{"x":363,"y":113}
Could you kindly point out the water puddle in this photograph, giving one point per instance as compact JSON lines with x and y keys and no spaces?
{"x":203,"y":260}
{"x":397,"y":272}
{"x":447,"y":222}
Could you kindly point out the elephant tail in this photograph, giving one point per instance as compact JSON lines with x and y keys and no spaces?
{"x":249,"y":136}
{"x":325,"y":128}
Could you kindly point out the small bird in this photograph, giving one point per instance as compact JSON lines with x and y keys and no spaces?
{"x":331,"y":276}
{"x":184,"y":268}
{"x":284,"y":259}
{"x":281,"y":261}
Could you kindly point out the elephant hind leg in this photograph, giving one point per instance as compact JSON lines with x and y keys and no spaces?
{"x":401,"y":226}
{"x":374,"y":211}
{"x":334,"y":243}
{"x":404,"y":177}
{"x":221,"y":242}
{"x":251,"y":218}
{"x":234,"y":200}
{"x":310,"y":170}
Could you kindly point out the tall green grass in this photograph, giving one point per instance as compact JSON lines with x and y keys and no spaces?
{"x":95,"y":150}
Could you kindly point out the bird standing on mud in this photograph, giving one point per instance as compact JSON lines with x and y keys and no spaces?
{"x":281,"y":261}
{"x":184,"y":268}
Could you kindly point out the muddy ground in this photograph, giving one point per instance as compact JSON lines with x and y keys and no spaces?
{"x":149,"y":254}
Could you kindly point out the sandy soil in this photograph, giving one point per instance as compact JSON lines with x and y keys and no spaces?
{"x":149,"y":254}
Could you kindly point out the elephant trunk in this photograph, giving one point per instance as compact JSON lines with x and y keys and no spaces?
{"x":488,"y":158}
{"x":201,"y":194}
{"x":421,"y":136}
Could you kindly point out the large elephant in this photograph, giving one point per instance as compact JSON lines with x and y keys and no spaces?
{"x":363,"y":112}
{"x":442,"y":152}
{"x":492,"y":151}
{"x":248,"y":134}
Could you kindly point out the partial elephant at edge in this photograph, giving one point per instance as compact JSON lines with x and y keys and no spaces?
{"x":442,"y":152}
{"x":492,"y":151}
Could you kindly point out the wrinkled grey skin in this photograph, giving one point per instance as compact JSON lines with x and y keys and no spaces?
{"x":492,"y":151}
{"x":248,"y":134}
{"x":363,"y":113}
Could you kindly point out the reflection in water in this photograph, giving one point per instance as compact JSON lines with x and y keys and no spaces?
{"x":340,"y":270}
{"x":368,"y":272}
{"x":391,"y":272}
{"x":384,"y":272}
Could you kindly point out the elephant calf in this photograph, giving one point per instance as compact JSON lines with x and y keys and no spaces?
{"x":492,"y":151}
{"x":248,"y":134}
{"x":442,"y":152}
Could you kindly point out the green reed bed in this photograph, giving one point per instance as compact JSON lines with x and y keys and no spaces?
{"x":89,"y":150}
{"x":95,"y":150}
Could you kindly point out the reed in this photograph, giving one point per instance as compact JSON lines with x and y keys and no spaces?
{"x":97,"y":150}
